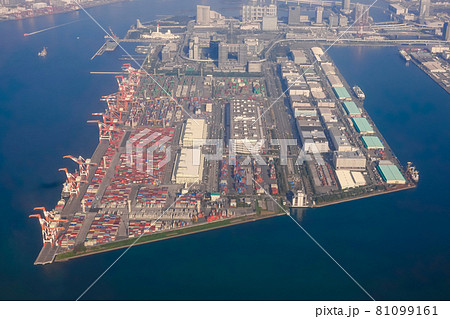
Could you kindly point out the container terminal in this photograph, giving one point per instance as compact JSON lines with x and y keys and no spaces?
{"x":155,"y":174}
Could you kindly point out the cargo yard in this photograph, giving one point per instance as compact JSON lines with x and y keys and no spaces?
{"x":208,"y":134}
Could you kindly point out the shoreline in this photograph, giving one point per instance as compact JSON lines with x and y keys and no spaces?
{"x":245,"y":219}
{"x":430,"y":74}
{"x":363,"y":196}
{"x":88,"y":6}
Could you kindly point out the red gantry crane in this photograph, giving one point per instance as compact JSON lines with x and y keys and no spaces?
{"x":105,"y":128}
{"x":50,"y":224}
{"x":83,"y":166}
{"x":72,"y":184}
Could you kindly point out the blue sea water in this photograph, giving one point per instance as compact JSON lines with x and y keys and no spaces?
{"x":395,"y":245}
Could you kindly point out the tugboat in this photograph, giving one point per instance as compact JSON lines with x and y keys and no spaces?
{"x":43,"y":53}
{"x":412,"y":172}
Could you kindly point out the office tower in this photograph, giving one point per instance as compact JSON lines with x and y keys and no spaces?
{"x":319,"y":15}
{"x":203,"y":15}
{"x":424,"y":9}
{"x":294,"y":15}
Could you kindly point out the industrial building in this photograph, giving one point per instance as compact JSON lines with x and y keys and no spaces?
{"x":342,"y":93}
{"x":244,"y":132}
{"x":335,"y":81}
{"x":391,"y":174}
{"x":328,"y":68}
{"x":362,"y":125}
{"x":194,"y":133}
{"x":189,"y":167}
{"x":299,"y":56}
{"x":353,"y":160}
{"x":372,"y":143}
{"x":350,"y":179}
{"x":351,"y":109}
{"x":339,"y":141}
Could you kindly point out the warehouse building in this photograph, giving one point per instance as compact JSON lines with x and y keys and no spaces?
{"x":326,"y":103}
{"x":351,"y":109}
{"x":350,"y":179}
{"x":342,"y":93}
{"x":352,"y":160}
{"x":299,"y":56}
{"x":194,"y":131}
{"x":362,"y":125}
{"x":335,"y":81}
{"x":391,"y":174}
{"x":372,"y":143}
{"x":314,"y":139}
{"x":243,"y":129}
{"x":189,"y":167}
{"x":339,"y":141}
{"x":328,"y":68}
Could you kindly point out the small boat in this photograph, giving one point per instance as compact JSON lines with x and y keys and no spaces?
{"x":43,"y":53}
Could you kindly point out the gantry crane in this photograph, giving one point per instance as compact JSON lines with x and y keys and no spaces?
{"x":72,"y":184}
{"x":83,"y":166}
{"x":50,"y":225}
{"x":105,"y":129}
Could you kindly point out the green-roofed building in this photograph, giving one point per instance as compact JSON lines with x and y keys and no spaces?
{"x":391,"y":174}
{"x":372,"y":143}
{"x":342,"y":93}
{"x":362,"y":125}
{"x":351,"y":108}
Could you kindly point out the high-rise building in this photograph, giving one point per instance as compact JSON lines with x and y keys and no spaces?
{"x":232,"y":54}
{"x":424,"y":9}
{"x":343,"y":20}
{"x":333,"y":20}
{"x":346,"y":5}
{"x":203,"y":15}
{"x":256,"y":12}
{"x":446,"y":31}
{"x":269,"y":23}
{"x":361,"y":14}
{"x":319,"y":15}
{"x":294,"y":15}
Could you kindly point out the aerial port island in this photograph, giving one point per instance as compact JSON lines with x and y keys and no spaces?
{"x":225,"y":121}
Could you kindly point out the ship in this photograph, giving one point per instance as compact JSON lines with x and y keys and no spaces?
{"x":43,"y":53}
{"x":359,"y":93}
{"x":405,"y":55}
{"x":412,"y":172}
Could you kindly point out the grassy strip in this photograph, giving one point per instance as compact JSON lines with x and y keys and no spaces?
{"x":157,"y":236}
